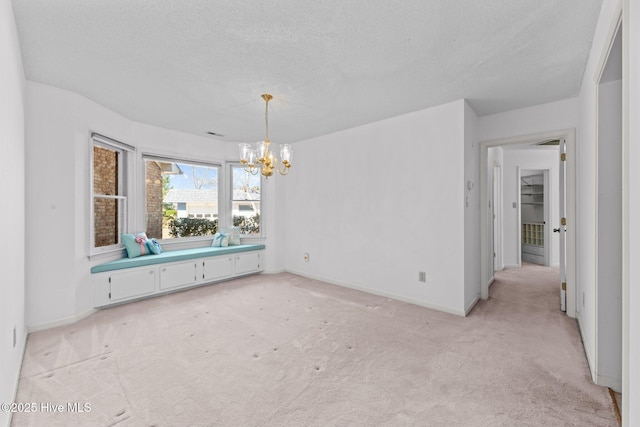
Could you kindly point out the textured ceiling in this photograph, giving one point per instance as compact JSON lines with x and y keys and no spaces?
{"x":201,"y":65}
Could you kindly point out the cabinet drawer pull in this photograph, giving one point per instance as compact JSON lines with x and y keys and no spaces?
{"x":150,"y":271}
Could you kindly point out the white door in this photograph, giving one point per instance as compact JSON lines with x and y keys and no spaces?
{"x":562,"y":228}
{"x":494,"y":217}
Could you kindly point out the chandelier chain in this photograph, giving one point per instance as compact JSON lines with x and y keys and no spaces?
{"x":266,"y":118}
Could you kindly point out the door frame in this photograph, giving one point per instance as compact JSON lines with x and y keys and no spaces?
{"x":485,"y":240}
{"x":616,"y":29}
{"x":496,"y":210}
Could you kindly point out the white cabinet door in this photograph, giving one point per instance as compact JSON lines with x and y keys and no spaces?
{"x":175,"y":275}
{"x":217,"y":267}
{"x":247,"y":262}
{"x":130,"y":284}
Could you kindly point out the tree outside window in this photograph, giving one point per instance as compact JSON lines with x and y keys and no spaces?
{"x":181,"y":198}
{"x":246,"y":196}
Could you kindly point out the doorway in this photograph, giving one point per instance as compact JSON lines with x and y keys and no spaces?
{"x":487,"y":229}
{"x":608,"y":358}
{"x":534,"y":216}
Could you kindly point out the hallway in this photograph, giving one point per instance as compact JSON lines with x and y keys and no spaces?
{"x":529,"y":300}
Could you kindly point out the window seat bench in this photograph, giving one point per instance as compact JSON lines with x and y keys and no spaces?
{"x":179,"y":255}
{"x":128,"y":279}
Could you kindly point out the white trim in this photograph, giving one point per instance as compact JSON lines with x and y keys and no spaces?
{"x":569,"y":136}
{"x":613,"y":384}
{"x":519,"y":214}
{"x":498,"y":224}
{"x":125,"y":187}
{"x":141,"y":198}
{"x":471,"y":305}
{"x":179,"y":159}
{"x":105,"y":141}
{"x":16,"y":381}
{"x":630,"y":132}
{"x":615,"y":27}
{"x":590,"y":361}
{"x":413,"y":301}
{"x":263,"y":225}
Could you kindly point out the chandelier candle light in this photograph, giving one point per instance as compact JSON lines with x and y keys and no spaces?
{"x":266,"y":161}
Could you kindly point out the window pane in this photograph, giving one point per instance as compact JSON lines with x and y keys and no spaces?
{"x":245,"y":205}
{"x":181,"y":199}
{"x":105,"y":171}
{"x":109,"y":204}
{"x":107,"y":221}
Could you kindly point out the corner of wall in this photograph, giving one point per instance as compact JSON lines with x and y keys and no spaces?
{"x":12,"y":171}
{"x":472,"y":279}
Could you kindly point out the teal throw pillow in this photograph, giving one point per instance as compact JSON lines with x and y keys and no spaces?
{"x":154,"y":246}
{"x":136,"y":244}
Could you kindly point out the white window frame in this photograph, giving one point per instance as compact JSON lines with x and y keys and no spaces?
{"x":125,"y":152}
{"x":178,"y":242}
{"x":262,"y":233}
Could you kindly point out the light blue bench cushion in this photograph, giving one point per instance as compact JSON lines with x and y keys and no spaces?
{"x":172,"y":256}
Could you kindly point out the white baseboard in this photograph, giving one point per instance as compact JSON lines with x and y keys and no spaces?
{"x":493,"y":279}
{"x":512,"y":266}
{"x":613,"y":384}
{"x":470,"y":306}
{"x":73,"y":319}
{"x":16,"y":381}
{"x":444,"y":309}
{"x":590,"y":363}
{"x":61,"y":322}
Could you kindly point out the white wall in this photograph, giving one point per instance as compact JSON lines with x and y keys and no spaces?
{"x":495,"y":157}
{"x":58,"y":125}
{"x":631,"y":183}
{"x":552,"y":116}
{"x":376,"y":204}
{"x":539,"y":158}
{"x":586,"y":181}
{"x":609,"y":237}
{"x":472,"y":209}
{"x":12,"y":173}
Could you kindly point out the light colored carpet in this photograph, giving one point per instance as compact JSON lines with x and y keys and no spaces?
{"x":282,"y":350}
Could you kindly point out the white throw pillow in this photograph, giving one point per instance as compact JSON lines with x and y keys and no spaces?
{"x":220,"y":240}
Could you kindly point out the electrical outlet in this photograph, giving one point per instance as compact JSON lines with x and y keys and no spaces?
{"x":306,"y":257}
{"x":422,"y":276}
{"x":15,"y":337}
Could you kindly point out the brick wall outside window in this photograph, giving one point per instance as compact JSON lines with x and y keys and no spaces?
{"x":153,"y":183}
{"x":105,"y":182}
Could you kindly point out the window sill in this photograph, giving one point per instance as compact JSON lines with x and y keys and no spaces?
{"x":248,"y":238}
{"x":109,"y":253}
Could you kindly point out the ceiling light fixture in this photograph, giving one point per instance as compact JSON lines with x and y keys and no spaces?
{"x":266,"y":160}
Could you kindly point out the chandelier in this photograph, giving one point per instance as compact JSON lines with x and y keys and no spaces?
{"x":261,"y":159}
